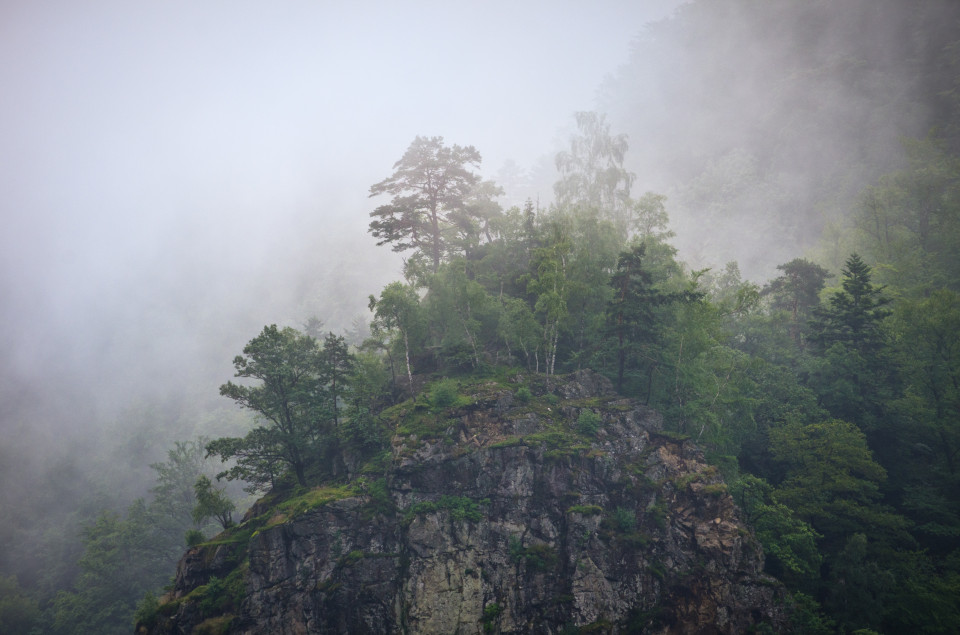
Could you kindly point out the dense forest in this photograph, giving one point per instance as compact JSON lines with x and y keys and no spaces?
{"x":784,"y":288}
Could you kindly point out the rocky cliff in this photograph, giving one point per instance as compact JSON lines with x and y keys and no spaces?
{"x":528,"y":505}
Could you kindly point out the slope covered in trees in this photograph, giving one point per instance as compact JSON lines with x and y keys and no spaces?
{"x":831,"y":411}
{"x":828,"y":395}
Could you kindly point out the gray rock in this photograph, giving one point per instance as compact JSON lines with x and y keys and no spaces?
{"x":509,"y":523}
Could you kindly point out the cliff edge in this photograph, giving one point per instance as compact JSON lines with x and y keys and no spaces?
{"x":528,"y":505}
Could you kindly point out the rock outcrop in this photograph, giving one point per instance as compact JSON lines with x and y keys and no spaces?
{"x":544,"y":505}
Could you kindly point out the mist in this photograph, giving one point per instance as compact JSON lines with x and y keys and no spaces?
{"x":762,"y":125}
{"x":175,"y":176}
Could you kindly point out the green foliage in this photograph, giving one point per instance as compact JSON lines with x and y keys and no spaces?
{"x":624,"y":519}
{"x":592,"y":175}
{"x":212,"y":503}
{"x":807,"y":617}
{"x":634,"y":316}
{"x":927,"y":351}
{"x":398,"y":310}
{"x":588,"y":423}
{"x":147,"y":612}
{"x":858,"y":587}
{"x":463,"y":318}
{"x":429,"y":186}
{"x":174,"y":496}
{"x":853,"y":314}
{"x":444,"y":394}
{"x":291,"y":398}
{"x":18,"y":611}
{"x":537,"y":557}
{"x":306,"y":500}
{"x":832,"y":481}
{"x":362,"y":429}
{"x":123,"y":559}
{"x":790,"y":544}
{"x":548,"y":284}
{"x":219,"y":625}
{"x":194,"y":537}
{"x":908,"y":223}
{"x":491,"y":612}
{"x":838,"y":420}
{"x":381,"y":502}
{"x":796,"y":291}
{"x":458,"y":507}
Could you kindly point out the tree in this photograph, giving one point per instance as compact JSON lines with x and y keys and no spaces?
{"x":928,"y":349}
{"x":520,"y":331}
{"x":363,"y":430}
{"x":258,"y":458}
{"x":336,"y":366}
{"x":853,"y":314}
{"x":650,"y":218}
{"x":428,"y":185}
{"x":592,"y":173}
{"x":474,"y":221}
{"x":398,"y":308}
{"x":212,"y":503}
{"x":797,"y":291}
{"x":175,"y":477}
{"x":548,"y":284}
{"x":850,"y":370}
{"x":832,"y":482}
{"x":290,"y":398}
{"x":173,"y":495}
{"x":18,"y":610}
{"x":462,"y":315}
{"x":123,"y":559}
{"x":632,"y":314}
{"x":908,"y":222}
{"x":789,"y":544}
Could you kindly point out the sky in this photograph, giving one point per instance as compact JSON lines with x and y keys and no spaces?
{"x":176,"y":174}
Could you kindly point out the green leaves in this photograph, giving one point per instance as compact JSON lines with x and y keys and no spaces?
{"x":832,"y":480}
{"x":592,"y":174}
{"x":429,"y":186}
{"x":398,"y":308}
{"x":298,"y":396}
{"x":212,"y":503}
{"x":789,"y":543}
{"x":853,"y":315}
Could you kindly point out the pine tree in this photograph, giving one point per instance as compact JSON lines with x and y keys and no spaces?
{"x":853,"y":315}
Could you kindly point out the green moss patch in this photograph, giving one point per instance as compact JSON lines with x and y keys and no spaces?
{"x":459,"y":508}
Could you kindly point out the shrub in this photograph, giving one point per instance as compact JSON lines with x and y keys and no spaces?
{"x":538,"y":557}
{"x":194,"y":537}
{"x":523,"y":394}
{"x":147,"y":611}
{"x":588,"y":423}
{"x":490,"y":613}
{"x":624,"y":519}
{"x":444,"y":393}
{"x":459,"y":507}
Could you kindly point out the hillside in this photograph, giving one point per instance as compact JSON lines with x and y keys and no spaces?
{"x":522,"y":503}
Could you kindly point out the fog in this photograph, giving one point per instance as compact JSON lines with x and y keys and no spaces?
{"x":176,"y":175}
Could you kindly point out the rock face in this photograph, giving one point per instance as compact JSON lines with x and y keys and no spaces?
{"x":546,"y":510}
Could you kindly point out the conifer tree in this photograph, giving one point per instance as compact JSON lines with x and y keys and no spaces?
{"x":853,"y":315}
{"x":429,"y":186}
